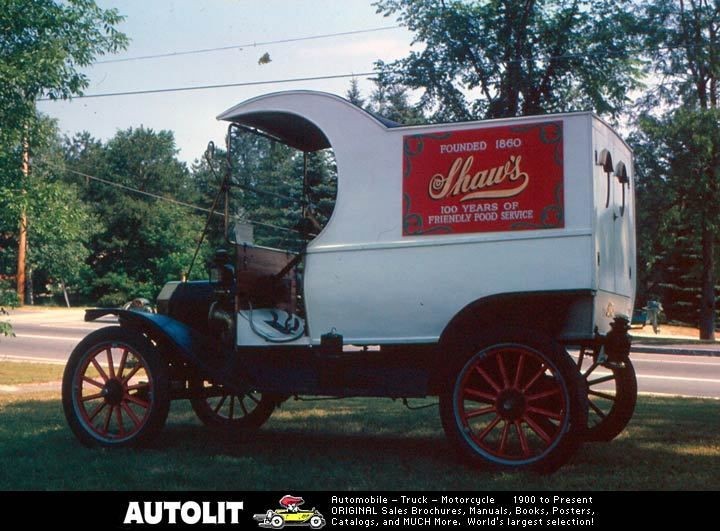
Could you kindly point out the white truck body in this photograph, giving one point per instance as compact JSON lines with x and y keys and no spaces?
{"x":382,"y":273}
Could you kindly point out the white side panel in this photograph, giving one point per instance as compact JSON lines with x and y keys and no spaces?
{"x":372,"y":284}
{"x":409,"y":294}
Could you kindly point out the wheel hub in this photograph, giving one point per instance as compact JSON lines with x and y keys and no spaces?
{"x":510,"y":404}
{"x":113,"y":391}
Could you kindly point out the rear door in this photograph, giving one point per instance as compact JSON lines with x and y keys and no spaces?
{"x":615,"y":213}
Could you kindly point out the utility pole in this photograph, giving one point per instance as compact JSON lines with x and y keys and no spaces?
{"x":22,"y":229}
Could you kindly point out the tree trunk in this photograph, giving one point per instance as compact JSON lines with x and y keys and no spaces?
{"x":22,"y":228}
{"x":22,"y":247}
{"x":65,"y":293}
{"x":707,"y":302}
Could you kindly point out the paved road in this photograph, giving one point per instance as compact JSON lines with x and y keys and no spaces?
{"x":676,"y":375}
{"x":51,"y":335}
{"x":47,"y":335}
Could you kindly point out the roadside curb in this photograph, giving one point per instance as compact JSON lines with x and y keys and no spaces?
{"x":649,"y":349}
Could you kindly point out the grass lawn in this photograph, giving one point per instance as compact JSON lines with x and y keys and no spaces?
{"x":355,"y":444}
{"x":12,"y":373}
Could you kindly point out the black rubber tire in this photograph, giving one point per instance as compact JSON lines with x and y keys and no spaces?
{"x":250,"y":419}
{"x":620,"y":412}
{"x":511,"y":345}
{"x":157,"y":397}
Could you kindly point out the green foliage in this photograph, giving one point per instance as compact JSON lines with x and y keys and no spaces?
{"x":144,"y":241}
{"x":692,"y":140}
{"x":389,"y":102}
{"x":59,"y":224}
{"x":354,"y":95}
{"x":677,"y":160}
{"x":392,"y":102}
{"x":679,"y":138}
{"x":682,"y":39}
{"x":115,"y":288}
{"x":44,"y":44}
{"x":268,"y":189}
{"x":60,"y":234}
{"x":8,"y":299}
{"x":515,"y":57}
{"x":5,"y":326}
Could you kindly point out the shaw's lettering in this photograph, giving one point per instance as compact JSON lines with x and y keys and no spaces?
{"x":461,"y":181}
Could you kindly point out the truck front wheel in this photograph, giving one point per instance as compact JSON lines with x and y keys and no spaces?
{"x":515,"y":403}
{"x":115,"y":389}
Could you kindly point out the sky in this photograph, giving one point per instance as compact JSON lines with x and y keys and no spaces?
{"x":170,"y":26}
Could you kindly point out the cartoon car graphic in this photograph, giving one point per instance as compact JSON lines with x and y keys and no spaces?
{"x":290,"y":514}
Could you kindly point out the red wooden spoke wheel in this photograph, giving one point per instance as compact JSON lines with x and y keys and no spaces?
{"x":115,"y":389}
{"x":612,"y":394}
{"x":217,"y":407}
{"x":516,"y":405}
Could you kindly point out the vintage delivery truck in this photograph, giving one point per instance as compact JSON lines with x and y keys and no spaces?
{"x":490,"y":264}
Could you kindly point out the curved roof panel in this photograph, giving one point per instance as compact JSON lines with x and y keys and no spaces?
{"x":290,"y":117}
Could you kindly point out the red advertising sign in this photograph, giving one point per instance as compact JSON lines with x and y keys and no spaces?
{"x":483,"y":180}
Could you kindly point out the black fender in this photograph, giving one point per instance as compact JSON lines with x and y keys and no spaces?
{"x":179,"y":342}
{"x":551,"y":313}
{"x":547,"y":311}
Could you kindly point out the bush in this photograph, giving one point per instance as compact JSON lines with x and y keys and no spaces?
{"x":119,"y":288}
{"x":8,"y":299}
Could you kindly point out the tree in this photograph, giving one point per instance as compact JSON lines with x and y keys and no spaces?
{"x":389,"y":102}
{"x":59,"y":225}
{"x":61,"y":230}
{"x":133,"y":184}
{"x":657,"y":218}
{"x":354,"y":94}
{"x":393,"y":103}
{"x":504,"y":58}
{"x":682,"y":40}
{"x":690,"y":178}
{"x":269,"y":189}
{"x":43,"y":46}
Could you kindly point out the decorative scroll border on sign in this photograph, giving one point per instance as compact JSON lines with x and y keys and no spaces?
{"x":505,"y":178}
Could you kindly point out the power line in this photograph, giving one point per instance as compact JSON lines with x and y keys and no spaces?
{"x":135,"y":190}
{"x":295,"y":80}
{"x":161,"y":198}
{"x":566,"y":56}
{"x":240,"y":46}
{"x":220,"y":86}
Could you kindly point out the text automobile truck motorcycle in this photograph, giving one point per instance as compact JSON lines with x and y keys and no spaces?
{"x":464,"y":261}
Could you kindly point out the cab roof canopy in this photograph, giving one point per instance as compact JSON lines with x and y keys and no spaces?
{"x":291,"y":117}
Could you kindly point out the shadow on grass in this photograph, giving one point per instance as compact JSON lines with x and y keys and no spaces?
{"x":348,"y":445}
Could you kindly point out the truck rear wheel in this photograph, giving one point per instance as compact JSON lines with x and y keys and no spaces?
{"x":515,"y":402}
{"x":115,"y":389}
{"x":218,"y":408}
{"x":610,"y":408}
